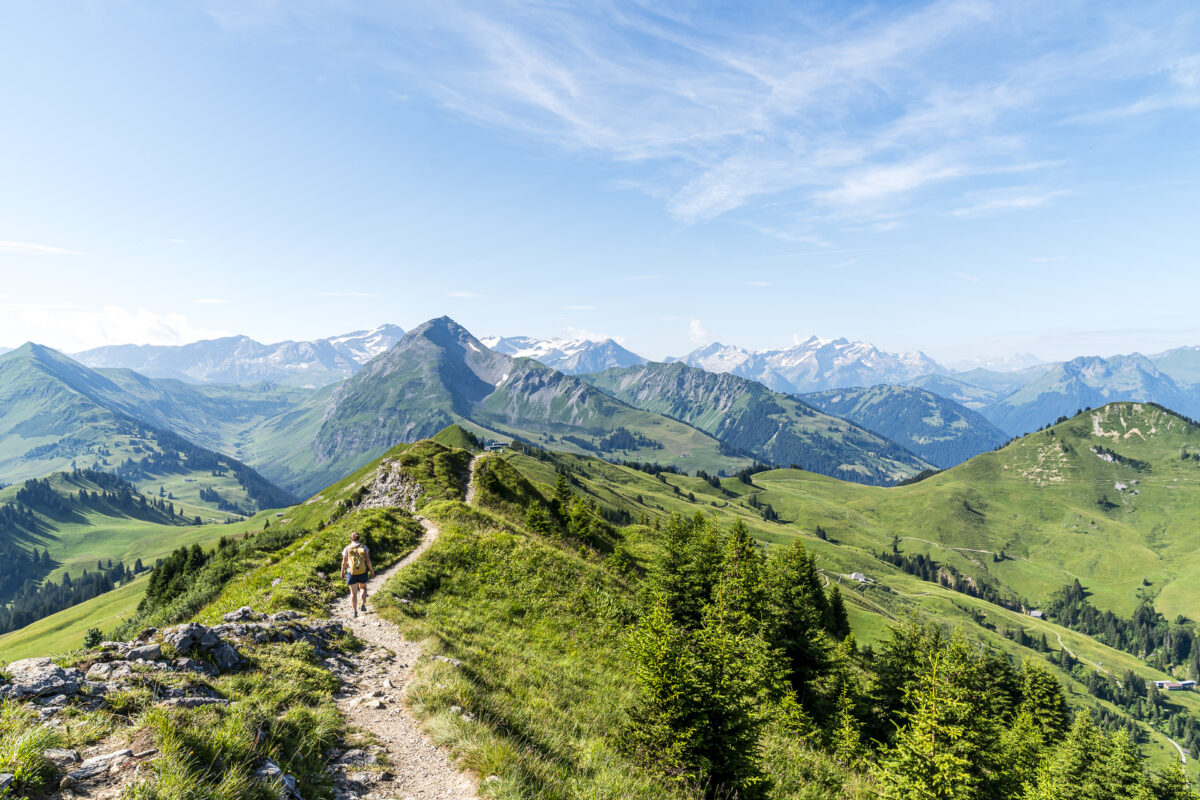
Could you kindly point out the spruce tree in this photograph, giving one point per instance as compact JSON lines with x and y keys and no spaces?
{"x":837,"y":621}
{"x":797,"y":607}
{"x":929,"y":759}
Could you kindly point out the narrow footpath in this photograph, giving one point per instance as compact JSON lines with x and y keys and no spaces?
{"x":371,"y":698}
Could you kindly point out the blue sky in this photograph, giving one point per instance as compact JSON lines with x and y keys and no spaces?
{"x":964,"y":178}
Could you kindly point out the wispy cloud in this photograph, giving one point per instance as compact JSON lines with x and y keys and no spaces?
{"x":1012,"y":199}
{"x":346,"y":294}
{"x":211,"y":301}
{"x":698,"y":333}
{"x":579,"y":308}
{"x":758,"y":283}
{"x":793,"y":116}
{"x":463,"y":295}
{"x":648,"y":277}
{"x":31,"y":249}
{"x":966,"y":276}
{"x":177,"y":241}
{"x":1047,"y":259}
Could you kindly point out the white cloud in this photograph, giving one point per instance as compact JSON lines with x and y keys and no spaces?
{"x":758,"y":283}
{"x":31,"y":249}
{"x":1013,"y":199}
{"x":463,"y":294}
{"x":698,"y":333}
{"x":1047,"y":259}
{"x":177,"y":241}
{"x":966,"y":276}
{"x":579,"y":308}
{"x":212,"y":301}
{"x":648,"y":277}
{"x":74,"y":328}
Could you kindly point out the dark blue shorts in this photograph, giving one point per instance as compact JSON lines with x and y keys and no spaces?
{"x":352,"y":578}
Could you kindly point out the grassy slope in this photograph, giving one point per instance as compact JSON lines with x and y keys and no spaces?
{"x":87,"y":534}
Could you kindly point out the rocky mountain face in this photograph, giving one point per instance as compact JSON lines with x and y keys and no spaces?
{"x":936,"y":429}
{"x":570,"y":356}
{"x":775,"y":427}
{"x":240,"y":359}
{"x":815,"y":364}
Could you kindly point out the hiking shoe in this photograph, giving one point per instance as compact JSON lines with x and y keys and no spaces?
{"x":356,"y":615}
{"x":365,"y":610}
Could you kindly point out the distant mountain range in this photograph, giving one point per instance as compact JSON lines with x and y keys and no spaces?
{"x":305,"y":412}
{"x":240,"y":359}
{"x":815,"y":364}
{"x":572,"y":356}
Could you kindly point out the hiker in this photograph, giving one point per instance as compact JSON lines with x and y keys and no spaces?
{"x":356,"y":569}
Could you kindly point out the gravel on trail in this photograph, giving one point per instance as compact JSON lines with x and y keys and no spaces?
{"x":372,"y":700}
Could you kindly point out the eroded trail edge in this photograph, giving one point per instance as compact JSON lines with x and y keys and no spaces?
{"x":373,"y":684}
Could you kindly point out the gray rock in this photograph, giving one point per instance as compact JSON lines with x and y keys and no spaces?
{"x":5,"y":691}
{"x":98,"y":765}
{"x":35,"y":677}
{"x":243,"y":614}
{"x":226,"y":657}
{"x":358,"y":758}
{"x":284,"y":616}
{"x":146,"y":634}
{"x":109,"y":670}
{"x":192,"y":635}
{"x":276,"y":582}
{"x":59,"y":756}
{"x":192,"y":665}
{"x":6,"y":780}
{"x":148,"y":652}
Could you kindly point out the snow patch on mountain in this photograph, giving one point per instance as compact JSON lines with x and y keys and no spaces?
{"x":815,"y":364}
{"x":572,"y":356}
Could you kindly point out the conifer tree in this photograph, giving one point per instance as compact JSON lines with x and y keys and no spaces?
{"x":664,"y":725}
{"x":929,"y":759}
{"x":797,"y":608}
{"x":739,"y":596}
{"x":837,"y":622}
{"x":1042,"y":698}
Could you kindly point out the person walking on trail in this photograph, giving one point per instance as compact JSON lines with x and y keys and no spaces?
{"x":356,"y":569}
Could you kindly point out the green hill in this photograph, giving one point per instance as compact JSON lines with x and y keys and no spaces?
{"x":776,"y":428}
{"x":937,"y":430}
{"x":56,"y":414}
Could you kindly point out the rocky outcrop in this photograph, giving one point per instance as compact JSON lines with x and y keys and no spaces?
{"x":392,"y":488}
{"x":39,"y":677}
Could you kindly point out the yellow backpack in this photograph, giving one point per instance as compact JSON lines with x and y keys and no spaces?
{"x":358,"y":559}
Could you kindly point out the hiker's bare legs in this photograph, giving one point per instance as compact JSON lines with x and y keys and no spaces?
{"x":354,"y":589}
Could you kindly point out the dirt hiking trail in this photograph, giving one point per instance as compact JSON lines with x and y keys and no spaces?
{"x":372,"y":698}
